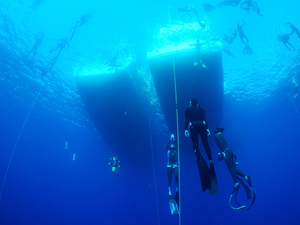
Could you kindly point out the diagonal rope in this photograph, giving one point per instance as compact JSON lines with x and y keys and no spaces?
{"x":13,"y":152}
{"x":177,"y":131}
{"x":154,"y":172}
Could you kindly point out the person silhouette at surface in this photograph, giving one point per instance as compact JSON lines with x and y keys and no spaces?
{"x":38,"y":41}
{"x":284,"y":38}
{"x":82,"y":21}
{"x":61,"y":44}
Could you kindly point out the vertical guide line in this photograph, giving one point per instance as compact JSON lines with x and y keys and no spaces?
{"x":13,"y":152}
{"x":154,"y":172}
{"x":176,"y":103}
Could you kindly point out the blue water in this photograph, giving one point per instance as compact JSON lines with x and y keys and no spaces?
{"x":44,"y":185}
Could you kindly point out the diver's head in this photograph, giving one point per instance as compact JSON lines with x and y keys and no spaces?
{"x":194,"y":102}
{"x":113,"y":169}
{"x":172,"y":146}
{"x":219,"y":130}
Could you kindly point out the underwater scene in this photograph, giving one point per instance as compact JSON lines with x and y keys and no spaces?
{"x":149,"y":112}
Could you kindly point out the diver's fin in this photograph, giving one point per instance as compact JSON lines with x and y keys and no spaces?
{"x":203,"y":172}
{"x":247,"y":189}
{"x":249,"y":181}
{"x":238,"y":208}
{"x":176,"y":198}
{"x":173,"y":207}
{"x":208,"y":7}
{"x":235,"y":196}
{"x":214,"y":182}
{"x":253,"y":199}
{"x":248,"y":51}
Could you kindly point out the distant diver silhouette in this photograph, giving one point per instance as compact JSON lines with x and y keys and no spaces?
{"x":82,"y":21}
{"x":38,"y":41}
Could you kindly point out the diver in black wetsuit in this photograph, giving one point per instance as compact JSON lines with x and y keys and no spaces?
{"x":228,"y":156}
{"x":284,"y":38}
{"x":192,"y":9}
{"x":247,"y":49}
{"x":294,"y":29}
{"x":61,"y":44}
{"x":82,"y":21}
{"x":38,"y":41}
{"x":249,"y":5}
{"x":172,"y":166}
{"x":231,"y":161}
{"x":195,"y":119}
{"x":242,"y":33}
{"x":198,"y":55}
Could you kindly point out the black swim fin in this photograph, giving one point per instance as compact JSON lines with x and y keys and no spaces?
{"x":249,"y":181}
{"x":214,"y":182}
{"x":253,"y":199}
{"x":236,"y":190}
{"x":203,"y":172}
{"x":248,"y":51}
{"x":247,"y":189}
{"x":176,"y":198}
{"x":208,"y":7}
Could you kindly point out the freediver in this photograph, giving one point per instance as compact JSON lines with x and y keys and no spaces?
{"x":172,"y":167}
{"x":228,"y":52}
{"x":194,"y":11}
{"x":114,"y":163}
{"x":195,"y":119}
{"x":256,"y":9}
{"x":247,"y":49}
{"x":209,"y":7}
{"x":231,"y":162}
{"x":38,"y":41}
{"x":294,"y":29}
{"x":249,"y":5}
{"x":198,"y":55}
{"x":284,"y":38}
{"x":82,"y":21}
{"x":61,"y":44}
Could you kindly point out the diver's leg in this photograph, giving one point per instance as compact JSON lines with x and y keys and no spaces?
{"x":175,"y":171}
{"x":203,"y":135}
{"x":286,"y":46}
{"x":194,"y":137}
{"x":72,"y":35}
{"x":169,"y":173}
{"x":290,"y":45}
{"x":231,"y":166}
{"x":240,"y":173}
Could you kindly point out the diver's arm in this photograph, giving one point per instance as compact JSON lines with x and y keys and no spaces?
{"x":168,"y":157}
